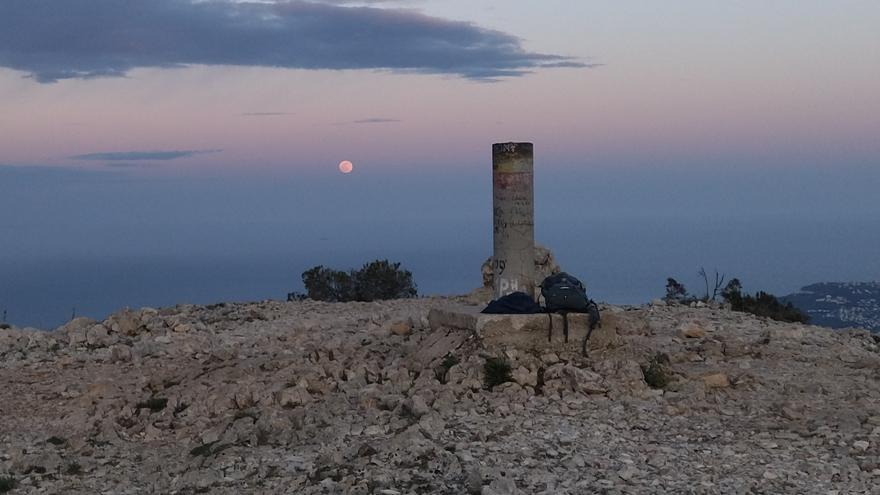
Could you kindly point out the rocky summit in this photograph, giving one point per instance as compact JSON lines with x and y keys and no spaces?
{"x":382,"y":398}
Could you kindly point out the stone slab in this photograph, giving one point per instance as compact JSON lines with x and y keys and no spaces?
{"x":528,"y":332}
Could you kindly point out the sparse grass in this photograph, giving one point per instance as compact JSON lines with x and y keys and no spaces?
{"x":203,"y":450}
{"x":496,"y":371}
{"x":209,"y":449}
{"x":263,"y":437}
{"x":56,"y":440}
{"x":7,"y":483}
{"x":246,"y":413}
{"x":443,"y":371}
{"x":73,"y":469}
{"x":154,"y":404}
{"x":657,"y":374}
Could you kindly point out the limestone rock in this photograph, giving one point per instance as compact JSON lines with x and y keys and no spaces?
{"x":861,"y":445}
{"x":573,"y":379}
{"x":693,"y":330}
{"x":525,"y":377}
{"x":294,"y":396}
{"x":125,"y":322}
{"x":716,"y":380}
{"x":401,"y":328}
{"x":79,"y":325}
{"x":307,"y":397}
{"x":120,"y":353}
{"x":98,"y":336}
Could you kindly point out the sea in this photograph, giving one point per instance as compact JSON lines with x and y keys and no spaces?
{"x":622,"y":260}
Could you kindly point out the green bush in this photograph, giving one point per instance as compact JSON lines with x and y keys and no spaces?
{"x":381,"y":279}
{"x":375,"y":281}
{"x":7,"y":483}
{"x":326,"y":284}
{"x":496,"y":371}
{"x":657,"y":373}
{"x":761,"y":304}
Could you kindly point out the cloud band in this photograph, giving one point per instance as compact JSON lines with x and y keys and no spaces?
{"x":52,"y":39}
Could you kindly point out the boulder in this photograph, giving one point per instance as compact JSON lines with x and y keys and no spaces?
{"x":80,"y":324}
{"x":125,"y":322}
{"x":120,"y":353}
{"x":75,"y":330}
{"x":401,"y":328}
{"x":294,"y":396}
{"x":716,"y":380}
{"x":99,"y":336}
{"x":692,"y":330}
{"x":524,"y":377}
{"x":571,"y":378}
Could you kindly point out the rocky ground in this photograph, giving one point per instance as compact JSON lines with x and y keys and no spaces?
{"x":362,"y":398}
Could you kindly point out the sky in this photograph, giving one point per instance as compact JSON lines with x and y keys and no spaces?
{"x":136,"y":129}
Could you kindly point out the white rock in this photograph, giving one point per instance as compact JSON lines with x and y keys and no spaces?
{"x":98,"y":336}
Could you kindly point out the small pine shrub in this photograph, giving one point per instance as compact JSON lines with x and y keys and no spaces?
{"x":496,"y":371}
{"x":325,"y":284}
{"x":657,"y":374}
{"x":382,"y":279}
{"x":676,"y":293}
{"x":377,"y":280}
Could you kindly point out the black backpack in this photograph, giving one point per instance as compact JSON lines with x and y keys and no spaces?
{"x":513,"y":303}
{"x":565,"y":294}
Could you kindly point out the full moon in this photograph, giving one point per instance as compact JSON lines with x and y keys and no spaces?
{"x":346,"y":166}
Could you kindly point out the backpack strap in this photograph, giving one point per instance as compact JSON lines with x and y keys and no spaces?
{"x":565,"y":324}
{"x":593,"y":316}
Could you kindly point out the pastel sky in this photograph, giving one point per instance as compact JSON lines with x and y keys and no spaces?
{"x":215,"y":87}
{"x":160,"y":151}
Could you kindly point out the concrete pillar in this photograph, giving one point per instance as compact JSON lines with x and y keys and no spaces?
{"x":513,"y":258}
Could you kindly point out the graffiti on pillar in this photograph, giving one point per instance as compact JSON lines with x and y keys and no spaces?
{"x":513,"y":206}
{"x":499,"y":266}
{"x":506,"y":286}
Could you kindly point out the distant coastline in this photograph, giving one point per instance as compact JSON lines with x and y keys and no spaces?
{"x":840,"y":304}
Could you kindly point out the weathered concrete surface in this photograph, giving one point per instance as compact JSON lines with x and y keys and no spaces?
{"x":513,"y":218}
{"x":527,"y":332}
{"x":545,"y":265}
